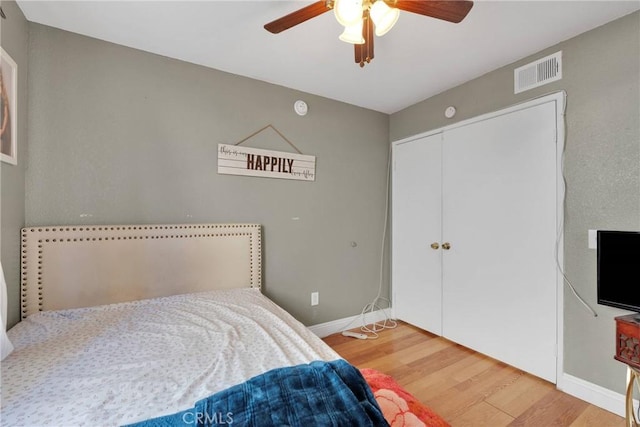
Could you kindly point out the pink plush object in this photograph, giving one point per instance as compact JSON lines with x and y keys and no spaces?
{"x":399,"y":407}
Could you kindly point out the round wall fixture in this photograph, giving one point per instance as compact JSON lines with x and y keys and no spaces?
{"x":300,"y":107}
{"x":450,"y":112}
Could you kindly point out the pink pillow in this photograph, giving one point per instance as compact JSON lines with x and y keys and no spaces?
{"x":399,"y":407}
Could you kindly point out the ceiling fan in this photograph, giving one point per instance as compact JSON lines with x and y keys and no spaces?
{"x":363,"y":18}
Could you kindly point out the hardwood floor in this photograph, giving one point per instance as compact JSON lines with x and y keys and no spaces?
{"x":467,"y":388}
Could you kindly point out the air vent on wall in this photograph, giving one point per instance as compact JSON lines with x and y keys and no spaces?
{"x":538,"y":73}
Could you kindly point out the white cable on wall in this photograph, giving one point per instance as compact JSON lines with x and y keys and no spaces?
{"x":388,"y":322}
{"x":373,"y":306}
{"x":560,"y":233}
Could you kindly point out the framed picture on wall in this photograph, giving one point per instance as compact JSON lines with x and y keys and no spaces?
{"x":8,"y":108}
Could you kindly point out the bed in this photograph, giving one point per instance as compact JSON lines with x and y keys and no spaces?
{"x":165,"y":325}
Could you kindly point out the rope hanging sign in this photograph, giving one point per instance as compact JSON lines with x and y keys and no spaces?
{"x":237,"y":160}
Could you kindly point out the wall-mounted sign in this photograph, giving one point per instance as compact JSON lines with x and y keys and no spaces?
{"x":237,"y":160}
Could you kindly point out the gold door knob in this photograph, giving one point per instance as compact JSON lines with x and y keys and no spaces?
{"x":446,"y":246}
{"x":435,"y":245}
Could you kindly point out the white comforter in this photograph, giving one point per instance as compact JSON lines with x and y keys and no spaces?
{"x":129,"y":362}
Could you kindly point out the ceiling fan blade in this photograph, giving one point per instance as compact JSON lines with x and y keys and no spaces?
{"x":452,"y":11}
{"x":298,"y":17}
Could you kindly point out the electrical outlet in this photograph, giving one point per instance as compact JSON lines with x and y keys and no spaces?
{"x":315,"y":298}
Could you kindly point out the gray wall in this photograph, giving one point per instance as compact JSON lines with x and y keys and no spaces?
{"x":14,"y":40}
{"x":123,"y":136}
{"x":601,"y":75}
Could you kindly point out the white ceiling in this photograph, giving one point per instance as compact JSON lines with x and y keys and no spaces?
{"x":418,"y":58}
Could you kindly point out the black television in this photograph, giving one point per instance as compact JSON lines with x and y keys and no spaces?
{"x":619,"y":269}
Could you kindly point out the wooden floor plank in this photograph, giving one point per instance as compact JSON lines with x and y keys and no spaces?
{"x":595,"y":417}
{"x":523,"y":394}
{"x":455,"y":401}
{"x":467,"y":388}
{"x":482,"y":415}
{"x":554,"y":409}
{"x":433,"y":384}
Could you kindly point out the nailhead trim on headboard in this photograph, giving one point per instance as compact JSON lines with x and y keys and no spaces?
{"x":78,"y":233}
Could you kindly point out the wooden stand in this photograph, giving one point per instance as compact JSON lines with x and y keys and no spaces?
{"x":628,"y":352}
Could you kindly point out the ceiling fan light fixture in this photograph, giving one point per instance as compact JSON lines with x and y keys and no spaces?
{"x":348,"y":12}
{"x":384,"y":17}
{"x":353,"y":33}
{"x":363,"y":19}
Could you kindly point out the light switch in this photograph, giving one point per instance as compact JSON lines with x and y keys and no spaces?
{"x":593,"y":239}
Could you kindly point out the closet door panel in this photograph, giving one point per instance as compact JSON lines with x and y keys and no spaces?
{"x":416,"y":267}
{"x":499,"y":215}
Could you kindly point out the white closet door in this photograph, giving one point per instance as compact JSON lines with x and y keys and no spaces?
{"x":499,"y":214}
{"x":417,"y":268}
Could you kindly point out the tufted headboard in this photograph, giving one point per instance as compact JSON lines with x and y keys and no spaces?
{"x":84,"y":265}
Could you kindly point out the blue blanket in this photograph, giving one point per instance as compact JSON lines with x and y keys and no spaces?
{"x":313,"y":395}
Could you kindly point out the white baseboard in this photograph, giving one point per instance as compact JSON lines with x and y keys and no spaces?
{"x":594,"y":394}
{"x":324,"y":329}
